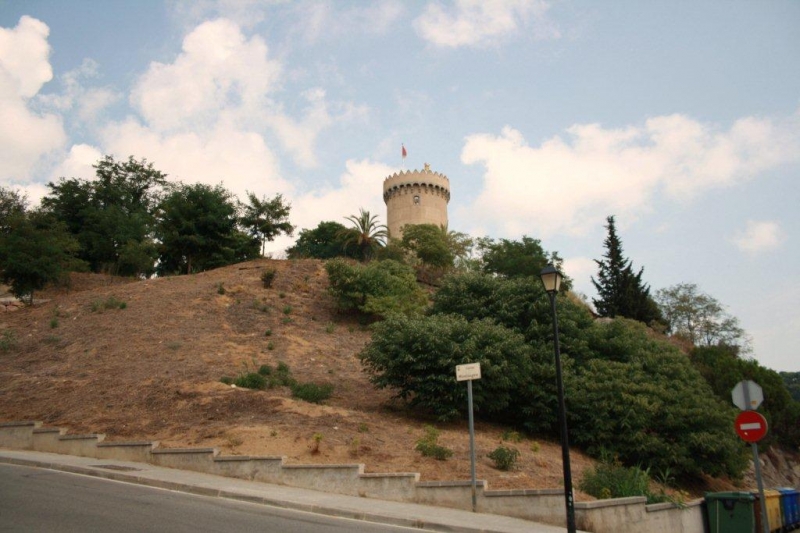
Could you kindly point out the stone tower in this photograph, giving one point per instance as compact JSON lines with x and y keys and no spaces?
{"x":415,"y":197}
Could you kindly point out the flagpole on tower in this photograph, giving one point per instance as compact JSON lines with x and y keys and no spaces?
{"x":403,"y":153}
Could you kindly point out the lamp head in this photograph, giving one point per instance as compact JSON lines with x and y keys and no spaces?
{"x":551,"y":279}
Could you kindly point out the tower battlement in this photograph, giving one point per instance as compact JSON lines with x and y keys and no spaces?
{"x":415,"y":197}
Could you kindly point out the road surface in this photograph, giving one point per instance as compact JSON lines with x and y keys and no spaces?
{"x":39,"y":500}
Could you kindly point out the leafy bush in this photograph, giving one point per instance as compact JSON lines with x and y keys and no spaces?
{"x":612,"y":480}
{"x":312,"y":392}
{"x":641,"y":400}
{"x":282,"y":377}
{"x":629,"y":392}
{"x":379,"y":288}
{"x":265,"y":370}
{"x":227,"y":380}
{"x":505,"y":458}
{"x":417,"y":357}
{"x":251,"y":380}
{"x":267,"y":277}
{"x":8,"y":341}
{"x":723,"y":369}
{"x":429,"y":447}
{"x":519,"y":304}
{"x":98,"y":306}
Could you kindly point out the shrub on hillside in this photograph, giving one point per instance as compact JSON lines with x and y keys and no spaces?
{"x":267,"y":277}
{"x":504,"y":457}
{"x":312,"y":392}
{"x":251,"y":380}
{"x":628,"y":392}
{"x":519,"y":304}
{"x":429,"y":445}
{"x":417,"y":356}
{"x":613,"y":480}
{"x":640,"y":399}
{"x":379,"y":288}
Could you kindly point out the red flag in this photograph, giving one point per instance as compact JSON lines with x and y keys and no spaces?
{"x":403,"y":151}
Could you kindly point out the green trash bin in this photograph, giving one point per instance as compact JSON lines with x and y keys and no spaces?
{"x":731,"y":512}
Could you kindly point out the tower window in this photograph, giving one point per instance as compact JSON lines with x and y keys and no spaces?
{"x":416,"y":199}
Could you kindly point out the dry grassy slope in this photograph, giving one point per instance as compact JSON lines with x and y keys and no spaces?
{"x":151,"y":371}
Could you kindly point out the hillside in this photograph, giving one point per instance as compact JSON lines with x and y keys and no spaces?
{"x":152,"y":371}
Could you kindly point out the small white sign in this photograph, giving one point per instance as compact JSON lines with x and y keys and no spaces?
{"x":754,"y":393}
{"x":468,"y":372}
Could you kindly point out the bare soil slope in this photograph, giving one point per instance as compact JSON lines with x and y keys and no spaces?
{"x":152,"y":371}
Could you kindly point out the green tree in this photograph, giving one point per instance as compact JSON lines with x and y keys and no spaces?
{"x":722,"y":368}
{"x":640,"y":398}
{"x":417,"y":356}
{"x":512,"y":259}
{"x":107,"y":214}
{"x":12,"y":205}
{"x":699,"y":318}
{"x":35,"y":251}
{"x":379,"y":288}
{"x":368,"y":236}
{"x":792,"y":381}
{"x":620,"y":291}
{"x":519,"y":304}
{"x":628,"y":392}
{"x":197,"y":229}
{"x":429,"y":244}
{"x":266,"y":219}
{"x":326,"y":241}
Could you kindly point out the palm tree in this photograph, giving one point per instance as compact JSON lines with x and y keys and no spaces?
{"x":366,"y":233}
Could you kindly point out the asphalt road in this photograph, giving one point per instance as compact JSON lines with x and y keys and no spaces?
{"x":34,"y":500}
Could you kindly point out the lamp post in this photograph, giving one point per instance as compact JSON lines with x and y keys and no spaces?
{"x":551,"y":279}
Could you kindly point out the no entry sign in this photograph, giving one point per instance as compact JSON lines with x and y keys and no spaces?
{"x":751,"y":426}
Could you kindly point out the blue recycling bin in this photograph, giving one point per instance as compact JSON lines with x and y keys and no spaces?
{"x":790,"y":508}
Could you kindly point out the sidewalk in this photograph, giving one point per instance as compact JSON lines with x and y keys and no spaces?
{"x":371,"y":510}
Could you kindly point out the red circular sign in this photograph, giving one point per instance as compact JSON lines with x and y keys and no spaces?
{"x":751,"y":426}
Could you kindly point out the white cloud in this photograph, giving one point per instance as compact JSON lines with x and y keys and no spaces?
{"x":239,"y":159}
{"x":218,"y":70}
{"x":483,"y":22}
{"x":26,"y":138}
{"x":323,"y":19}
{"x":24,"y":53}
{"x":222,"y":79}
{"x":78,"y":163}
{"x":759,"y":236}
{"x":580,"y":269}
{"x":299,"y":137}
{"x":90,"y":102}
{"x":360,"y":186}
{"x":246,"y":13}
{"x":571,"y":185}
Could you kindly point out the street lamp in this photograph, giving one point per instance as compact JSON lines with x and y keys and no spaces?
{"x":551,"y":279}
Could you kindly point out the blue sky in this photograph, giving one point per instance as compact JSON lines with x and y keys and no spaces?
{"x":680,"y":118}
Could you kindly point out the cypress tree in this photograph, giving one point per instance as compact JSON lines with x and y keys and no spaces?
{"x":620,"y":292}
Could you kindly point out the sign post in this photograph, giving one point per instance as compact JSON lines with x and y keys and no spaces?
{"x":468,"y":373}
{"x":751,"y":426}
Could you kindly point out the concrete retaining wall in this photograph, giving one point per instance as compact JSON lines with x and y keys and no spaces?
{"x":624,"y":515}
{"x":18,"y":435}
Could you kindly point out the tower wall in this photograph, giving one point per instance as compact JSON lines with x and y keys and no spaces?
{"x":415,"y":197}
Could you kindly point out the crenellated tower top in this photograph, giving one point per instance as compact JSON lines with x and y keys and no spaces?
{"x":415,"y":197}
